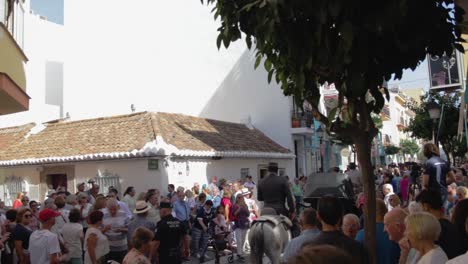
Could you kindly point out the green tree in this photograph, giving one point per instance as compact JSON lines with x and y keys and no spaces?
{"x":356,"y":45}
{"x":409,"y":147}
{"x":422,"y":126}
{"x":391,"y":150}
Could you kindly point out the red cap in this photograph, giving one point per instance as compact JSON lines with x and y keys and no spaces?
{"x":47,"y":214}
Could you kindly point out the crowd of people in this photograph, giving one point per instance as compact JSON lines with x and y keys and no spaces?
{"x":92,"y":226}
{"x":421,"y":217}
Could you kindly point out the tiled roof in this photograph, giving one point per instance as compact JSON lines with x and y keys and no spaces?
{"x":135,"y":135}
{"x":10,"y":135}
{"x":200,"y":134}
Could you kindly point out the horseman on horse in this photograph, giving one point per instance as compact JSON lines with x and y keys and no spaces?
{"x":271,"y":232}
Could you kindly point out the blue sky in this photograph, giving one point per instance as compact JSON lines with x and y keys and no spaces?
{"x":52,"y":9}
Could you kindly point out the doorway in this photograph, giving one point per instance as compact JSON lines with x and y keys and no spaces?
{"x":57,"y":180}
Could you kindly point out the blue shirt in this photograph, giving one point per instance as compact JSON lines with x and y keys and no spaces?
{"x":388,"y":252}
{"x":216,"y":201}
{"x":295,"y":244}
{"x":181,"y":210}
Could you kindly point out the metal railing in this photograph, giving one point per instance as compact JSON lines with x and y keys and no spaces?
{"x":301,"y":119}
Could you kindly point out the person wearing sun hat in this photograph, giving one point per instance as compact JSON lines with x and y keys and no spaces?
{"x":44,"y":246}
{"x":140,"y":220}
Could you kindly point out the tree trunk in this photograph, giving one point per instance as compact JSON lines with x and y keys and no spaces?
{"x":363,"y":149}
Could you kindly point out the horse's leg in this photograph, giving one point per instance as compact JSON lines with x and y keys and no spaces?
{"x":273,"y":244}
{"x":256,"y":243}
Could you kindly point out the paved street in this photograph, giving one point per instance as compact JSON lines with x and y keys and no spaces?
{"x":224,"y":260}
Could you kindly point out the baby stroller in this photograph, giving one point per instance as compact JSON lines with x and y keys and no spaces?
{"x":219,"y":242}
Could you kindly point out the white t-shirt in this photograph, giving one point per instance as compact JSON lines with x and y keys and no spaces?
{"x":462,"y":259}
{"x":434,"y":256}
{"x":102,"y":244}
{"x":42,"y":244}
{"x":72,"y":234}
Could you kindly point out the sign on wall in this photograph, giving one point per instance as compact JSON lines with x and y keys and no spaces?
{"x":445,"y":71}
{"x":153,"y":164}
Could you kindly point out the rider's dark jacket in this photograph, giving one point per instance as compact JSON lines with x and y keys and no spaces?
{"x":274,"y":191}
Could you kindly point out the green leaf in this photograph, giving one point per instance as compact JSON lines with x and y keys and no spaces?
{"x":219,"y":40}
{"x":248,"y":40}
{"x":258,"y":60}
{"x":267,"y":65}
{"x":226,"y":42}
{"x":270,"y":75}
{"x":247,"y":7}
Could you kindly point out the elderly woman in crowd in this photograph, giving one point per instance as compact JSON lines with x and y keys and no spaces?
{"x":142,"y":247}
{"x":34,"y":223}
{"x":71,"y":202}
{"x":21,"y":235}
{"x":24,"y":201}
{"x":84,"y":207}
{"x":422,"y":229}
{"x":462,"y":192}
{"x":96,"y":245}
{"x":394,"y":201}
{"x":350,"y":226}
{"x":118,"y":221}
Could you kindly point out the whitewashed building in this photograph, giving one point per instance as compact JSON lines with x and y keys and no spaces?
{"x":396,"y":117}
{"x":43,"y":43}
{"x":145,"y":150}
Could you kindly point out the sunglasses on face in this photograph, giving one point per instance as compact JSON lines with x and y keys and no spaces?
{"x":27,"y":216}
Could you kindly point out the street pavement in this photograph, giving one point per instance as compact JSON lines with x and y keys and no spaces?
{"x":223,"y":260}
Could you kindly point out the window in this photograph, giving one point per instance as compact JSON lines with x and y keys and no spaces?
{"x":18,"y":30}
{"x":3,"y":10}
{"x":107,"y":179}
{"x":13,"y":185}
{"x":14,"y":21}
{"x":281,"y":171}
{"x":244,"y":172}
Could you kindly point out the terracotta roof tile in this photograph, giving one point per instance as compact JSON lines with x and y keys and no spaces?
{"x":200,"y":134}
{"x":131,"y":132}
{"x":11,"y":135}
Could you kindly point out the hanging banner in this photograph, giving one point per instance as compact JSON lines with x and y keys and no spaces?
{"x":445,"y":71}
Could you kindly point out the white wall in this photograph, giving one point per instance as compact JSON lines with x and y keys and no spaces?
{"x":135,"y":172}
{"x":132,"y":173}
{"x":43,"y":41}
{"x":245,"y":92}
{"x":157,"y":55}
{"x":201,"y":171}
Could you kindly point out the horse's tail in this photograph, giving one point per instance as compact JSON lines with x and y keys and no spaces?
{"x":257,"y":243}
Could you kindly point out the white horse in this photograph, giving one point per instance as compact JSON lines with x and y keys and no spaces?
{"x":269,"y":235}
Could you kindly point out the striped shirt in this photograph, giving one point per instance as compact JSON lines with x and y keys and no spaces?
{"x":117,"y":239}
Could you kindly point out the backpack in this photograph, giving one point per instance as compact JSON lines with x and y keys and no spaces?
{"x":232,"y":217}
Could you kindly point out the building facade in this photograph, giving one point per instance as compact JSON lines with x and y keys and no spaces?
{"x":43,"y":43}
{"x":396,"y":117}
{"x":13,"y":93}
{"x":145,"y":150}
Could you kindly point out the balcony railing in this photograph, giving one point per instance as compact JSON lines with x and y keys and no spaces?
{"x":13,"y":19}
{"x":301,"y":119}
